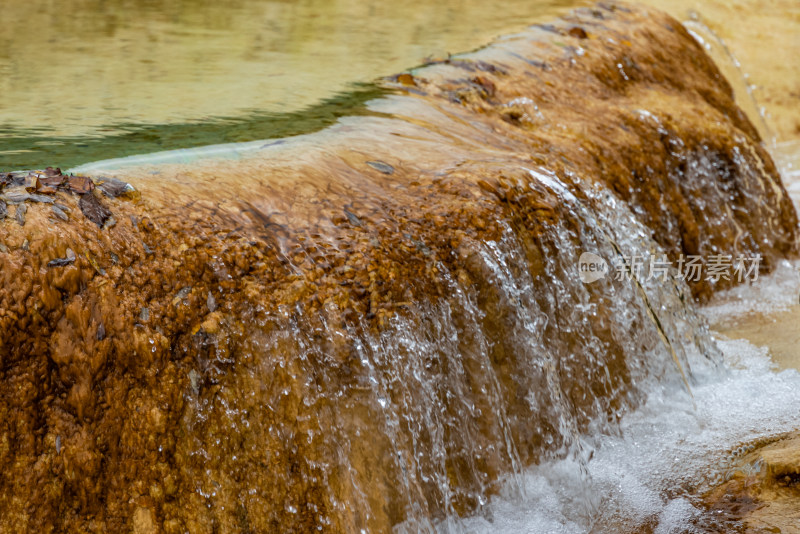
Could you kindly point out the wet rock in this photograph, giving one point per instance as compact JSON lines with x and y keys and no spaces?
{"x":143,"y":522}
{"x":170,"y":484}
{"x":551,"y":28}
{"x":93,"y":262}
{"x":761,"y":490}
{"x":173,"y":526}
{"x":211,"y":324}
{"x":486,"y":84}
{"x":194,"y":382}
{"x":182,"y":294}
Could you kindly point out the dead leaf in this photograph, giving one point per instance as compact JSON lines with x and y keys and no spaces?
{"x":29,"y":182}
{"x":380,"y":166}
{"x":93,"y":209}
{"x":63,"y":262}
{"x":406,"y":79}
{"x":22,"y":209}
{"x":17,"y":197}
{"x":114,"y":188}
{"x":80,"y":184}
{"x":578,"y":32}
{"x":94,"y":264}
{"x":353,"y":218}
{"x":487,"y":84}
{"x":45,"y":189}
{"x":50,"y":180}
{"x":58,"y":212}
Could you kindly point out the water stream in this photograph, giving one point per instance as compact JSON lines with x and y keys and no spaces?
{"x":382,"y":323}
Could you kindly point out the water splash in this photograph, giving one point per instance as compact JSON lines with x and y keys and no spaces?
{"x":666,"y":453}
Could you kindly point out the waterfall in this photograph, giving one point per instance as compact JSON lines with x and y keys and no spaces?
{"x":384,"y":325}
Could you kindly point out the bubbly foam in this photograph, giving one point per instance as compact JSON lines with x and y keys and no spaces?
{"x":777,"y":292}
{"x":669,"y":450}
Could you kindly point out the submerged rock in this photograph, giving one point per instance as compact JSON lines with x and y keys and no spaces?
{"x":761,"y":491}
{"x":385,"y":351}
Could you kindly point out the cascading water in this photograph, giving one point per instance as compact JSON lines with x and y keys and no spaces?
{"x":384,"y":326}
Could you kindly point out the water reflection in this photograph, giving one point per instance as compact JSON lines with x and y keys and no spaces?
{"x":74,"y":73}
{"x":82,"y":80}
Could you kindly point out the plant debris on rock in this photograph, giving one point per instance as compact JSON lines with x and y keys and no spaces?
{"x":18,"y":188}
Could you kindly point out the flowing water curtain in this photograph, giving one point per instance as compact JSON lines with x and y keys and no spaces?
{"x":514,"y":362}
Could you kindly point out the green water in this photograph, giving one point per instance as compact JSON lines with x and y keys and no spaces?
{"x":85,"y":80}
{"x":26,"y":148}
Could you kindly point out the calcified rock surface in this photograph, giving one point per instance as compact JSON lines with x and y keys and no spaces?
{"x":380,"y":324}
{"x":761,"y":490}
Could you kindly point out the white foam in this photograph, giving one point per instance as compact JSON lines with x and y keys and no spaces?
{"x":776,"y":292}
{"x":666,"y":451}
{"x":670,"y":449}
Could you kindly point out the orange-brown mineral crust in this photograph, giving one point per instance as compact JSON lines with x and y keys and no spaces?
{"x":193,"y":364}
{"x":759,"y":491}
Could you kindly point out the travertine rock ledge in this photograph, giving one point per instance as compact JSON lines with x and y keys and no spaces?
{"x":760,"y":493}
{"x":374,"y":324}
